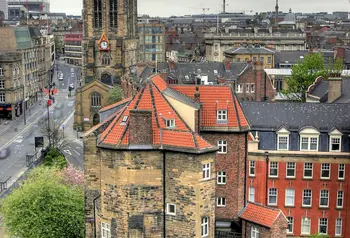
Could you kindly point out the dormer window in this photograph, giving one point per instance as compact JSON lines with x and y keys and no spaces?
{"x":335,"y":141}
{"x":170,"y":123}
{"x":283,"y":139}
{"x":309,"y":139}
{"x":222,"y":115}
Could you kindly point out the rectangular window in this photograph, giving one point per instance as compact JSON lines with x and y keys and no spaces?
{"x":309,"y":143}
{"x":239,"y":88}
{"x":307,"y":196}
{"x":171,"y":209}
{"x":269,"y":60}
{"x":338,"y":226}
{"x":290,"y":170}
{"x":282,"y":142}
{"x":252,"y":168}
{"x":290,"y":194}
{"x":340,"y":199}
{"x":204,"y":226}
{"x":254,"y":232}
{"x":308,"y":170}
{"x":1,"y":72}
{"x":247,"y":88}
{"x":222,"y":144}
{"x":273,"y":196}
{"x":262,"y":59}
{"x":222,"y":115}
{"x":2,"y":97}
{"x":221,"y":202}
{"x":251,"y":194}
{"x":206,"y":171}
{"x":323,"y":225}
{"x":325,"y":171}
{"x":290,"y":225}
{"x":341,"y":171}
{"x":305,"y":225}
{"x":254,"y":58}
{"x":313,"y":143}
{"x":335,"y":144}
{"x":324,"y":197}
{"x":221,"y":177}
{"x":2,"y":84}
{"x":273,"y":169}
{"x":170,"y":123}
{"x":105,"y":230}
{"x":252,"y":88}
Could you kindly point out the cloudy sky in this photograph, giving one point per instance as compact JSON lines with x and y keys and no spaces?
{"x":182,"y":7}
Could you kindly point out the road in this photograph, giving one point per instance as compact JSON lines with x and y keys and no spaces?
{"x":19,"y":137}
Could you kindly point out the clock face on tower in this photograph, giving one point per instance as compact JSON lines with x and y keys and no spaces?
{"x":104,"y":45}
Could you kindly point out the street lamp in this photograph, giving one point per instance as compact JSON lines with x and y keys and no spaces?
{"x":267,"y":175}
{"x":48,"y":121}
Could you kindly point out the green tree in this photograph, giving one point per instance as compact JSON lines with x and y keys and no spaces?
{"x":115,"y":95}
{"x":319,"y":236}
{"x":44,"y":206}
{"x":58,"y":44}
{"x":54,"y":158}
{"x":304,"y":74}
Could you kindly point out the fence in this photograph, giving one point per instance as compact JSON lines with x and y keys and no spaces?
{"x":227,"y":234}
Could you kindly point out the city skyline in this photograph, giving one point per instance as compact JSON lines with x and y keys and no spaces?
{"x":183,"y":7}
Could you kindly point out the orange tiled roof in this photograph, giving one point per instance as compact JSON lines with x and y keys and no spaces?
{"x":115,"y":104}
{"x":180,"y":138}
{"x":259,"y":214}
{"x":212,"y":98}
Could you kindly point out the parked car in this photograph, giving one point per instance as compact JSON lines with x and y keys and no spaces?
{"x":4,"y":153}
{"x":19,"y":139}
{"x":60,"y":76}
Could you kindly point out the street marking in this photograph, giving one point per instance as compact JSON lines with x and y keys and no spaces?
{"x":67,"y":152}
{"x":79,"y":142}
{"x":77,"y":152}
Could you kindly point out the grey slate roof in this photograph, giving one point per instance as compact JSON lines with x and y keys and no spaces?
{"x":321,"y":91}
{"x":295,"y":116}
{"x":255,"y":50}
{"x":181,"y":97}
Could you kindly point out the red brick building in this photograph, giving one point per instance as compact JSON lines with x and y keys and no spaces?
{"x":298,"y":160}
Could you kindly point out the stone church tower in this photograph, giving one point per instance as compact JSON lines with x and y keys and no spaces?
{"x":110,"y":44}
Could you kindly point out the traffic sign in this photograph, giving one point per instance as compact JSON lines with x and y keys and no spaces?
{"x":63,"y":127}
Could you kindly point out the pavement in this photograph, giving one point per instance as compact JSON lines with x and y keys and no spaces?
{"x":19,"y":137}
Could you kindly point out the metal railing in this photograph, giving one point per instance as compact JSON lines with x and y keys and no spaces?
{"x":227,"y":234}
{"x":3,"y":185}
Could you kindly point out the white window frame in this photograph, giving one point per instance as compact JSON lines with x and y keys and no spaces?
{"x":306,"y":222}
{"x":221,"y":202}
{"x":2,"y":84}
{"x":323,"y":168}
{"x":252,"y":165}
{"x":270,"y":194}
{"x":1,"y":71}
{"x":204,"y":226}
{"x":341,"y":168}
{"x":278,"y":141}
{"x":239,"y":88}
{"x":312,"y":167}
{"x":254,"y":232}
{"x":324,"y":194}
{"x":308,"y":137}
{"x":247,"y":87}
{"x":340,"y":196}
{"x":221,"y":177}
{"x":251,"y":194}
{"x":222,"y":144}
{"x":289,"y":195}
{"x":290,"y":221}
{"x":303,"y":196}
{"x":206,"y":171}
{"x":168,"y":209}
{"x":252,"y":88}
{"x":326,"y":224}
{"x":274,"y":163}
{"x":289,"y":167}
{"x":105,"y":230}
{"x":338,"y":225}
{"x":221,"y":115}
{"x":2,"y":97}
{"x":331,"y":143}
{"x":170,"y":123}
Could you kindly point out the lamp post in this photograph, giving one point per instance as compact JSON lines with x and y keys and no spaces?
{"x":48,"y":121}
{"x":267,"y":175}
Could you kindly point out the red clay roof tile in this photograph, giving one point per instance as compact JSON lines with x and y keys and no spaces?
{"x":259,"y":214}
{"x":159,"y":82}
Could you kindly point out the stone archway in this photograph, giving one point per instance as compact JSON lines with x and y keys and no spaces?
{"x":106,"y":79}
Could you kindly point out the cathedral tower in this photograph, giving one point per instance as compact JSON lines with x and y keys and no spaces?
{"x":110,"y":44}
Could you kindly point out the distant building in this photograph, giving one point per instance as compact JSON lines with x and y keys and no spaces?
{"x":152,"y":41}
{"x":73,"y":48}
{"x":33,"y":5}
{"x":4,"y":8}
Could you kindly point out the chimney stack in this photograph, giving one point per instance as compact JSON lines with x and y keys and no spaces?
{"x":197,"y":95}
{"x":140,"y":127}
{"x":227,"y":65}
{"x":334,"y":88}
{"x":172,"y":65}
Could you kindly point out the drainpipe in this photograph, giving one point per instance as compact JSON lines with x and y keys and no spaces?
{"x":265,"y":97}
{"x":267,"y":175}
{"x":94,"y":201}
{"x":164,"y":195}
{"x":245,"y":169}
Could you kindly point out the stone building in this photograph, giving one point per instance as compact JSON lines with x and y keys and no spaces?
{"x":148,"y":174}
{"x":11,"y":86}
{"x":110,"y":46}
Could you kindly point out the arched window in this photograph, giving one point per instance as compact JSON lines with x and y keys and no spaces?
{"x":106,"y":59}
{"x":106,"y":79}
{"x":96,"y":119}
{"x":95,"y":100}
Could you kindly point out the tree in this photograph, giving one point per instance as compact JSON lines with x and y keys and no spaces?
{"x":51,"y":131}
{"x":55,"y":158}
{"x":319,"y":236}
{"x":44,"y":206}
{"x":58,"y":45}
{"x":304,"y":74}
{"x":115,"y":95}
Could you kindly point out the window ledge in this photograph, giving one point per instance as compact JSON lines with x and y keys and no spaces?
{"x":325,"y":179}
{"x":291,"y":178}
{"x":341,"y":179}
{"x":252,"y":176}
{"x":303,"y":206}
{"x":307,"y":178}
{"x":289,"y":206}
{"x":339,"y":208}
{"x":273,"y":177}
{"x":324,"y":208}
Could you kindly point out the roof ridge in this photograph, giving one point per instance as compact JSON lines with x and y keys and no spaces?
{"x":195,"y":139}
{"x":155,"y":113}
{"x":236,"y":110}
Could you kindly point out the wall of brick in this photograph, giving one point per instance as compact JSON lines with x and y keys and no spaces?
{"x":233,"y":164}
{"x":279,"y":227}
{"x":264,"y":232}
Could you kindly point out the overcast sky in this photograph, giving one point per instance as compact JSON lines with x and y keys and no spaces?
{"x":182,"y":7}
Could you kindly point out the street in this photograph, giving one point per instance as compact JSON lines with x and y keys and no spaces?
{"x":17,"y":138}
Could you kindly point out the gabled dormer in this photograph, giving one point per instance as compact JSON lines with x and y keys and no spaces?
{"x":283,"y":138}
{"x":335,"y":140}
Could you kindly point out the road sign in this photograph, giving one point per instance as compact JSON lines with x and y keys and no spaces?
{"x":39,"y":141}
{"x":63,"y":127}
